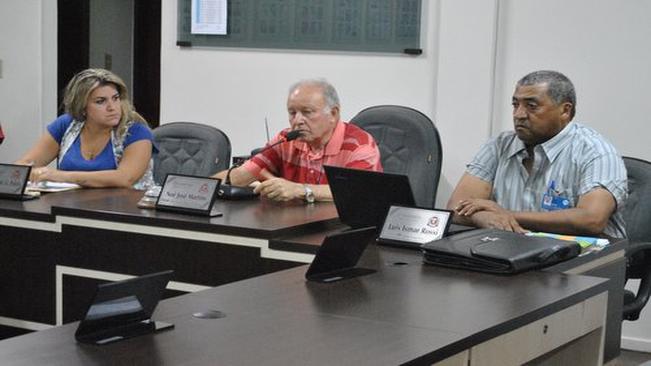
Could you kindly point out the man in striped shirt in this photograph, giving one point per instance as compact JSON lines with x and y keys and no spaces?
{"x":549,"y":174}
{"x":294,"y":169}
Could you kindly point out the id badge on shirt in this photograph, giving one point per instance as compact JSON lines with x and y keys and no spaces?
{"x":552,"y":200}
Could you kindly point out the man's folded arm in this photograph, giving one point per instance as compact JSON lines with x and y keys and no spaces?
{"x":589,"y":217}
{"x":238,"y":176}
{"x":469,"y":187}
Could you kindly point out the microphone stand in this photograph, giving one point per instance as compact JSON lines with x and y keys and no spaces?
{"x":227,"y":191}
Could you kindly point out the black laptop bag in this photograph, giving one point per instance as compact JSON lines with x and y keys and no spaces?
{"x":497,"y":251}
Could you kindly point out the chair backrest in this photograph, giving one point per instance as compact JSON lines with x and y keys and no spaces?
{"x":409,"y":144}
{"x":637,"y":215}
{"x":190,"y":148}
{"x":637,"y":210}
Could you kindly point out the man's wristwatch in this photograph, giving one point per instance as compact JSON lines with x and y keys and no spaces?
{"x":309,"y":194}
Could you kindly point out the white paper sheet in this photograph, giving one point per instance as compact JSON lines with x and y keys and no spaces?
{"x":209,"y":17}
{"x":47,"y":186}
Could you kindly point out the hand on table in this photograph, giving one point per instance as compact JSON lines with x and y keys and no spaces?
{"x":488,"y":214}
{"x":497,"y":220}
{"x":469,"y":206}
{"x":279,"y":189}
{"x":44,"y":173}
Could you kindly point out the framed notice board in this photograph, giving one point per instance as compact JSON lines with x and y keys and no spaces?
{"x":346,"y":25}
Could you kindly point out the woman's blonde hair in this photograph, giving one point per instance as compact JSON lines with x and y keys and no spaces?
{"x":75,"y":98}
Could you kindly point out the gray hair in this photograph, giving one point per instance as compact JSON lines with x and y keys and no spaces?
{"x":329,"y":93}
{"x":559,"y":86}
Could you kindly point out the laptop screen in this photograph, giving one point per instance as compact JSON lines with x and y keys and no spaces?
{"x":363,"y":197}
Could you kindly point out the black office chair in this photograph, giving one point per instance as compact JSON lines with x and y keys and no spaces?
{"x":637,"y":215}
{"x":409,"y":144}
{"x":190,"y":148}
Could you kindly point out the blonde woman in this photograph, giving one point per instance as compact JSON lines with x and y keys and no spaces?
{"x":100,"y":141}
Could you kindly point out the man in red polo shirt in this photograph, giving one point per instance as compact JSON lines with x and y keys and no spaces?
{"x":294,"y":170}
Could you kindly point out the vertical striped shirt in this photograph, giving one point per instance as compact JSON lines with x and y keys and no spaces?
{"x":349,"y":147}
{"x":577,"y":160}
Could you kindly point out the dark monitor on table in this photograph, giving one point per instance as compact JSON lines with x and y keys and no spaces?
{"x":363,"y":197}
{"x":123,"y":309}
{"x":338,"y":255}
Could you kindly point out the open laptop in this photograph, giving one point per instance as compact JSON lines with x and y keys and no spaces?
{"x":13,"y":180}
{"x":189,"y":194}
{"x":363,"y":197}
{"x":337,"y":257}
{"x":123,"y":310}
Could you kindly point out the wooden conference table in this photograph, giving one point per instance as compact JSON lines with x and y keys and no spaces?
{"x":406,"y":313}
{"x":608,"y":263}
{"x":57,"y":248}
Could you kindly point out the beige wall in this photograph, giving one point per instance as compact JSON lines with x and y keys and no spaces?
{"x":28,"y":82}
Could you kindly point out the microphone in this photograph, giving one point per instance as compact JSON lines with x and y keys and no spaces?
{"x":291,"y":135}
{"x":231,"y":192}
